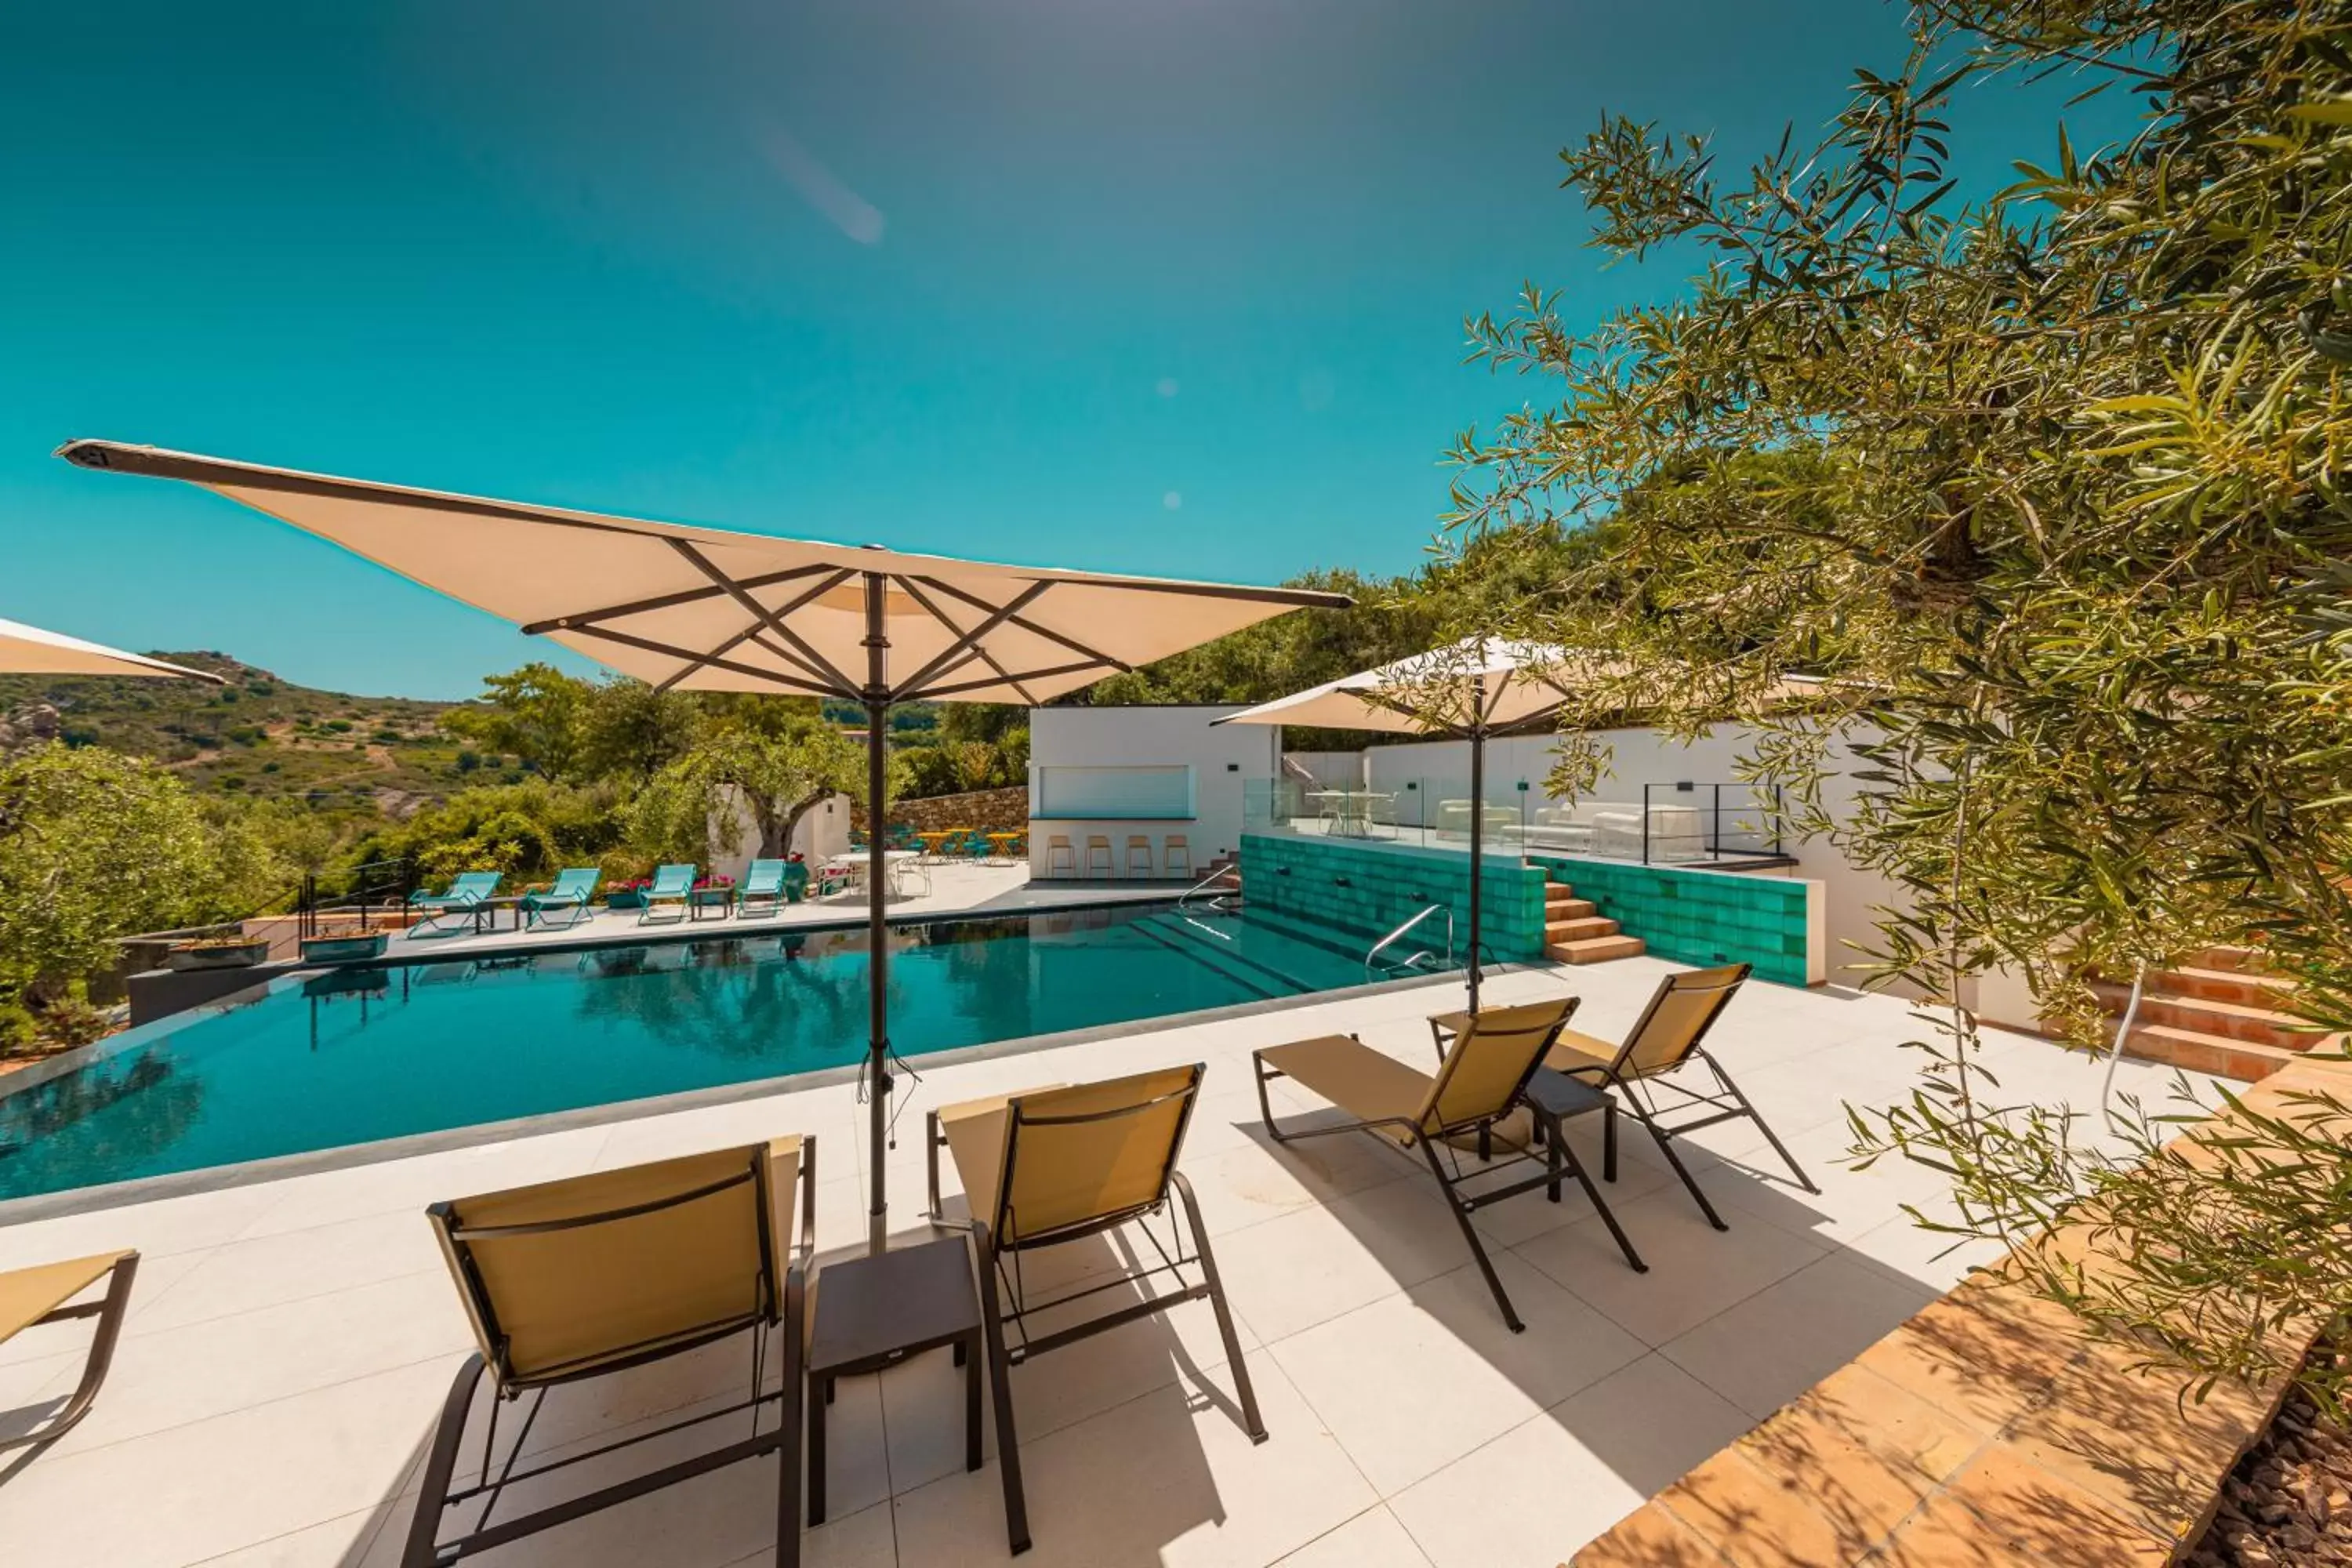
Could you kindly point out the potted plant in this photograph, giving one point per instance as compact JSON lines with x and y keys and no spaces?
{"x":626,"y":895}
{"x":238,"y":952}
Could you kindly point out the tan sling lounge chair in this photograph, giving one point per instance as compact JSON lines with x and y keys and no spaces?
{"x":1472,"y":1103}
{"x":1058,"y":1164}
{"x":1664,"y":1039}
{"x":31,"y":1297}
{"x":580,"y":1278}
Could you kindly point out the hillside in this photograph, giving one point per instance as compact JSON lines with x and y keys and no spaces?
{"x":262,"y":736}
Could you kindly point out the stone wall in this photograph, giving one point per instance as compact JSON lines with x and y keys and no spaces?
{"x":989,"y":810}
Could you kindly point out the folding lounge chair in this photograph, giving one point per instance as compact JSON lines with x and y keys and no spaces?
{"x":31,"y":1297}
{"x":672,"y":885}
{"x":1662,"y":1040}
{"x":1473,"y":1103}
{"x":764,"y":883}
{"x":466,"y":893}
{"x":576,"y":1278}
{"x":568,"y":898}
{"x":1062,"y":1163}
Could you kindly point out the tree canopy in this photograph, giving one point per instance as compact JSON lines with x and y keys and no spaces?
{"x":2049,"y":484}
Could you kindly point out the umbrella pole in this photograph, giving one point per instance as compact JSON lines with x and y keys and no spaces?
{"x":878,"y":934}
{"x":1478,"y":820}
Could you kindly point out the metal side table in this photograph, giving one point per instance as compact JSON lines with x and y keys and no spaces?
{"x":871,"y":1314}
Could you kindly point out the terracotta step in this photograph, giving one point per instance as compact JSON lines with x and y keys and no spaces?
{"x":2225,"y":1020}
{"x":2194,"y":1051}
{"x":1578,"y":930}
{"x":2246,"y":959}
{"x":1559,"y":893}
{"x":1595,"y":949}
{"x":1570,"y":909}
{"x":2250,"y":987}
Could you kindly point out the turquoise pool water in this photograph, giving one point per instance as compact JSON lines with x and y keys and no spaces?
{"x":353,"y":1055}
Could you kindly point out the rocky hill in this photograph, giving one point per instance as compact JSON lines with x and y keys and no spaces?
{"x":258,"y":735}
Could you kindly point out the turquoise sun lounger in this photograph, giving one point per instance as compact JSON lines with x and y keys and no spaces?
{"x":673,"y":885}
{"x":566,"y":902}
{"x":439,"y":912}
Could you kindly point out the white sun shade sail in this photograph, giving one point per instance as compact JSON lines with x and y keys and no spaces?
{"x":29,"y":650}
{"x":1438,"y":692}
{"x":706,"y":609}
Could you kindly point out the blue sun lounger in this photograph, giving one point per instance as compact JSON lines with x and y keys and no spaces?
{"x":439,"y":912}
{"x":672,"y":885}
{"x":762,"y":883}
{"x":566,"y":902}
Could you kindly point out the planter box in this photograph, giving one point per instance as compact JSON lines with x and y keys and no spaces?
{"x":243,"y":955}
{"x":624,"y":901}
{"x":343,"y":949}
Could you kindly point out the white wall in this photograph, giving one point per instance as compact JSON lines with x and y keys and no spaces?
{"x":821,"y":834}
{"x":1224,"y":762}
{"x":1442,"y":769}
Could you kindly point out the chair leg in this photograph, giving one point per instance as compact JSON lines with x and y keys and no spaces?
{"x":1770,"y":1137}
{"x":1252,"y":1421}
{"x":1470,"y":1234}
{"x":1000,"y":1368}
{"x":931,"y":1159}
{"x":1609,"y":1142}
{"x":1576,"y":1168}
{"x":440,"y":1465}
{"x":1265,"y":1109}
{"x":789,"y":1418}
{"x":109,"y":1311}
{"x":1665,"y":1147}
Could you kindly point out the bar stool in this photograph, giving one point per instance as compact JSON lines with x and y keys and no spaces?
{"x":1060,"y":856}
{"x":1139,"y":844}
{"x":1174,"y":848}
{"x":1099,"y":844}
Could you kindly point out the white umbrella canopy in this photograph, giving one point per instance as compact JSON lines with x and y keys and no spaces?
{"x":707,"y":609}
{"x":29,"y":650}
{"x":1489,"y":683}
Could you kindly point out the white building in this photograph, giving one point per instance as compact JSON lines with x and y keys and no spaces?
{"x":1151,"y":793}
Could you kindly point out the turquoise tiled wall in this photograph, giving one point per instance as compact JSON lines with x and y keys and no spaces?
{"x":1699,"y":917}
{"x":1368,"y":889}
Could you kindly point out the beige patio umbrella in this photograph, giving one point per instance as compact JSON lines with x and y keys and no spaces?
{"x":706,"y":609}
{"x":1465,"y":690}
{"x":29,"y":650}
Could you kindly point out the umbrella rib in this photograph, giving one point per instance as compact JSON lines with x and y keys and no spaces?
{"x":813,"y":661}
{"x":1012,"y":681}
{"x":664,"y":601}
{"x":700,"y":660}
{"x":968,"y":643}
{"x":1093,"y":656}
{"x":751,"y":632}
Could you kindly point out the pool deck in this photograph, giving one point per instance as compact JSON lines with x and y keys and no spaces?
{"x":956,"y":888}
{"x":291,"y":1339}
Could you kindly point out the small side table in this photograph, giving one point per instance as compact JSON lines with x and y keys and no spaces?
{"x":1556,"y":1098}
{"x":874,"y":1312}
{"x":709,"y":903}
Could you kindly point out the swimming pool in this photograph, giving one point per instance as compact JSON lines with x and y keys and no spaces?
{"x":353,"y":1055}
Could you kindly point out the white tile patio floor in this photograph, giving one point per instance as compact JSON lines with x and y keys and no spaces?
{"x":291,"y":1341}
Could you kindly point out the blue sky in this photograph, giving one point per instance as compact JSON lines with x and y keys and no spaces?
{"x":1171,"y":287}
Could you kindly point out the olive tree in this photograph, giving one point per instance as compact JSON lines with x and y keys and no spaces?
{"x":2047,"y":485}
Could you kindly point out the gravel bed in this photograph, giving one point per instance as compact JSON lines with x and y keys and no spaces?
{"x":2289,"y":1502}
